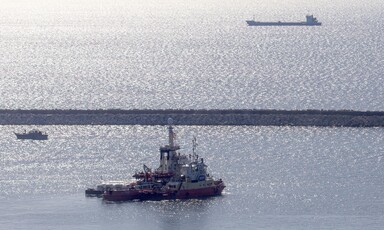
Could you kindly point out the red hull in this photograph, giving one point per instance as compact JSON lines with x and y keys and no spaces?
{"x":121,"y":195}
{"x":199,"y":193}
{"x":157,"y":195}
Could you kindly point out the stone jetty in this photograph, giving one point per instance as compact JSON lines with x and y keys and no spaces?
{"x":332,"y":118}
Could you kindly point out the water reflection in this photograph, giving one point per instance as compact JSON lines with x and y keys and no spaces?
{"x":169,"y":214}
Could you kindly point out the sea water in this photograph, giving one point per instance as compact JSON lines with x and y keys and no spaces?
{"x":143,"y":54}
{"x":276,"y":178}
{"x":174,"y":54}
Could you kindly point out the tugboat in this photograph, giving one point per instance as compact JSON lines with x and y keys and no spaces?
{"x":33,"y":135}
{"x":178,"y":177}
{"x":311,"y":21}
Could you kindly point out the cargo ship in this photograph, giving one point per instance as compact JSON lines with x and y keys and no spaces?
{"x":310,"y":21}
{"x":179,"y":176}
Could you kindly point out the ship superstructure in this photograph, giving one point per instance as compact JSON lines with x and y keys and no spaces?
{"x":178,"y":176}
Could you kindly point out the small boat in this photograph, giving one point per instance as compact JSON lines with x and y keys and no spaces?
{"x":311,"y":21}
{"x":33,"y":135}
{"x":179,"y":176}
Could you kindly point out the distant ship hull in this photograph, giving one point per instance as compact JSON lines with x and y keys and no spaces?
{"x":255,"y":23}
{"x":33,"y":135}
{"x":310,"y":21}
{"x":23,"y":136}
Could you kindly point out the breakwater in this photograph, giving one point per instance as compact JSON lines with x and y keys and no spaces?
{"x":337,"y":118}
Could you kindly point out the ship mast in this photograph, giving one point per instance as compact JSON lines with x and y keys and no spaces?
{"x":194,"y":145}
{"x":168,"y":158}
{"x":171,"y":135}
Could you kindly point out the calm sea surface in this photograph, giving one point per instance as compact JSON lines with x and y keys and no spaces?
{"x":92,"y":54}
{"x":155,"y":54}
{"x":276,"y":177}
